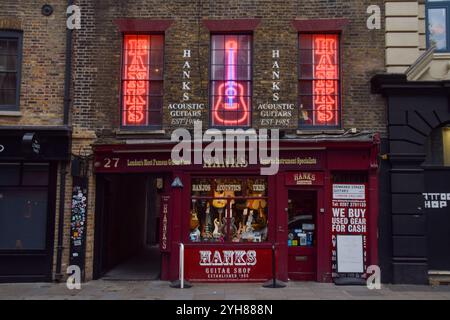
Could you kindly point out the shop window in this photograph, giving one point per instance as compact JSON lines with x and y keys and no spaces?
{"x":23,"y":206}
{"x":319,"y":81}
{"x":9,"y":174}
{"x":35,"y":174}
{"x":142,"y":81}
{"x":10,"y":70}
{"x":23,"y":219}
{"x":229,"y":210}
{"x":231,"y":80}
{"x":438,"y":147}
{"x":438,"y":24}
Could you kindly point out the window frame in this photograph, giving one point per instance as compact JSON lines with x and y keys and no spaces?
{"x":121,"y":91}
{"x":14,"y":34}
{"x":210,"y":101}
{"x":438,"y":5}
{"x":340,"y":98}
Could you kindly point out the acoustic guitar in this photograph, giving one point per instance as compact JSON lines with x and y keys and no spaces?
{"x":256,"y":204}
{"x":194,"y":223}
{"x":261,"y":221}
{"x":220,"y":200}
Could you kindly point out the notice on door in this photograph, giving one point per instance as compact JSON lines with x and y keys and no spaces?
{"x":349,"y":219}
{"x":350,"y":254}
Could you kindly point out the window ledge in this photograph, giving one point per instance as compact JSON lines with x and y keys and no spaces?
{"x":10,"y":113}
{"x":316,"y":132}
{"x":139,"y":132}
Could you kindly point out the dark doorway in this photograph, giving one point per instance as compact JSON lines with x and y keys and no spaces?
{"x":302,"y":235}
{"x":127,"y":242}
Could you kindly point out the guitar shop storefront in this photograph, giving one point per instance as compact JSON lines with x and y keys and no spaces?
{"x":230,"y":219}
{"x":29,"y":158}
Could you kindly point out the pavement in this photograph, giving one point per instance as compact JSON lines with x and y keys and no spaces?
{"x":159,"y":290}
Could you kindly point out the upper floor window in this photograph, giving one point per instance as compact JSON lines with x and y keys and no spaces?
{"x":231,"y":80}
{"x":10,"y":69}
{"x":142,"y":81}
{"x":438,"y":24}
{"x":319,"y":81}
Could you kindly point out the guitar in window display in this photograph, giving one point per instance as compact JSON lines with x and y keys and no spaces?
{"x":207,"y":226}
{"x":230,"y":108}
{"x":220,"y":202}
{"x":256,"y":225}
{"x":194,"y":224}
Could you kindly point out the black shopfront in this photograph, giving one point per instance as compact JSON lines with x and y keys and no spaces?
{"x":418,"y":179}
{"x":29,"y":158}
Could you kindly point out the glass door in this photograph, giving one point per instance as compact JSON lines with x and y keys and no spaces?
{"x":302,"y":235}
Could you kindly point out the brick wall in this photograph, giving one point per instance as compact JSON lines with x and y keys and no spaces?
{"x":97,"y":57}
{"x":97,"y":62}
{"x":42,"y":82}
{"x":96,"y":66}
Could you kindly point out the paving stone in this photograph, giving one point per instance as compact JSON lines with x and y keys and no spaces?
{"x":158,"y":290}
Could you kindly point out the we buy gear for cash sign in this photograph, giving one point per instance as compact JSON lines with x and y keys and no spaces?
{"x":349,"y":218}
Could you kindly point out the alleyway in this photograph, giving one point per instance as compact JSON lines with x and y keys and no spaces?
{"x":158,"y":290}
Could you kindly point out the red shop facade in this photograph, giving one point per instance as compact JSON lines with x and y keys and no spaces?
{"x":230,"y":218}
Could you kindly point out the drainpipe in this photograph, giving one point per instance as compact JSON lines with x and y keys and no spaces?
{"x":63,"y":172}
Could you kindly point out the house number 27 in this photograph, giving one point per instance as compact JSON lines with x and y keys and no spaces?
{"x":114,"y":162}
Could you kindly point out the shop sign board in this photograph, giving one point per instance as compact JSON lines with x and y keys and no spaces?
{"x":164,"y":242}
{"x":218,"y":264}
{"x":304,"y":179}
{"x":141,"y":162}
{"x":349,"y":219}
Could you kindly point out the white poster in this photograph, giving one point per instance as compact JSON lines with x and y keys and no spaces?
{"x":349,"y":191}
{"x":350,"y":254}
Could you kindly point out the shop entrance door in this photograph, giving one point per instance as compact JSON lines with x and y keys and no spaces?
{"x":303,"y":226}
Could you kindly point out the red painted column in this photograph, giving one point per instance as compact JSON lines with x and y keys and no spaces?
{"x":281,"y":227}
{"x":175,"y":226}
{"x":324,"y":263}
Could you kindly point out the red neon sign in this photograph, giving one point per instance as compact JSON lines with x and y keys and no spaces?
{"x":230,"y":108}
{"x":325,"y":84}
{"x":136,"y":84}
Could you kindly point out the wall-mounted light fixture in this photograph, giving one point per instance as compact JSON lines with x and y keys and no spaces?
{"x":47,"y":10}
{"x":177,"y":183}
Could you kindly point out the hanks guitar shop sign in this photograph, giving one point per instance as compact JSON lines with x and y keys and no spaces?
{"x":222,"y":265}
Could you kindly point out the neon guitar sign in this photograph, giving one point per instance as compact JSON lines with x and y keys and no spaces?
{"x":230,"y":108}
{"x":325,"y":85}
{"x":136,"y":85}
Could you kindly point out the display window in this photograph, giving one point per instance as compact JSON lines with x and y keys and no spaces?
{"x":225,"y":210}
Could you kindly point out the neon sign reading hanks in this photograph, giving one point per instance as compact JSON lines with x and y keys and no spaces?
{"x":227,"y":149}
